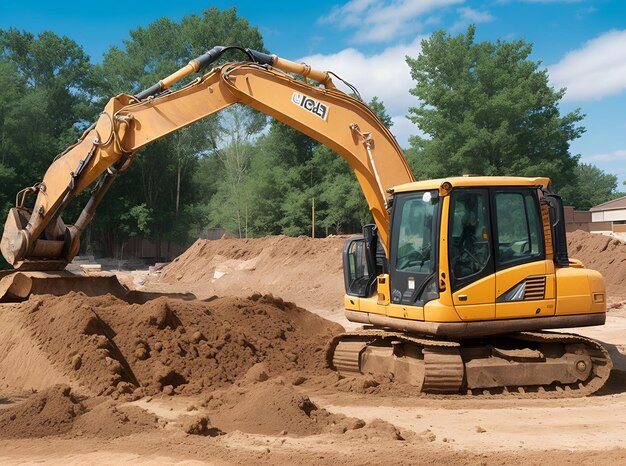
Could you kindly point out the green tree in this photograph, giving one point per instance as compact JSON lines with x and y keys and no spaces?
{"x":341,"y":206}
{"x":45,"y":99}
{"x":488,"y":109}
{"x":164,"y":176}
{"x":13,"y":89}
{"x":590,"y":187}
{"x":230,"y":205}
{"x":378,"y":107}
{"x":281,"y":182}
{"x":290,"y":171}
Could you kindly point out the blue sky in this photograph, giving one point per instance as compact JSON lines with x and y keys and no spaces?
{"x":582,"y":43}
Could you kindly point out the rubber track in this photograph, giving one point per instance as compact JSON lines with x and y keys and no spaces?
{"x":602,"y":363}
{"x":600,"y":358}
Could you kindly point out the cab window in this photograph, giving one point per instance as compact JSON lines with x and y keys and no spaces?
{"x":415,"y":240}
{"x":518,"y":228}
{"x":470,"y":245}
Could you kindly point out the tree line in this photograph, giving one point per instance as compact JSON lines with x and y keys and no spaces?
{"x":480,"y":107}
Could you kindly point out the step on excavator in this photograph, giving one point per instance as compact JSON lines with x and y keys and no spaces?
{"x":455,"y":282}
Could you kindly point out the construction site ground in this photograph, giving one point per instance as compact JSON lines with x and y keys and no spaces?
{"x":238,"y":374}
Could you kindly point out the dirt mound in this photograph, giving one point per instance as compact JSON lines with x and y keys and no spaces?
{"x":303,"y":270}
{"x":380,"y":430}
{"x":57,"y":411}
{"x":273,"y":408}
{"x":603,"y":253}
{"x":107,"y":419}
{"x":200,"y":425}
{"x":166,"y":345}
{"x":24,"y":367}
{"x":50,"y":412}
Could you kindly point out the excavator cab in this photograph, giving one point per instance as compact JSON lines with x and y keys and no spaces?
{"x":471,"y":253}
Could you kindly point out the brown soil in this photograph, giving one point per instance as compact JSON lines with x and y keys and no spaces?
{"x":57,"y":410}
{"x":107,"y":419}
{"x":274,"y":408}
{"x":603,"y":253}
{"x":110,"y":347}
{"x":239,"y":267}
{"x":242,"y":378}
{"x":51,"y":412}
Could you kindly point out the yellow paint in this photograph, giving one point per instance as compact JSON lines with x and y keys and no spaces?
{"x":550,"y":280}
{"x":435,"y":311}
{"x":508,"y":278}
{"x":575,"y":288}
{"x":473,"y":181}
{"x":382,"y":289}
{"x":351,"y":303}
{"x":403,"y":311}
{"x":480,"y":302}
{"x":445,"y":296}
{"x":371,"y":305}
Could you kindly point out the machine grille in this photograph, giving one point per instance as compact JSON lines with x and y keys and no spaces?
{"x":535,"y":288}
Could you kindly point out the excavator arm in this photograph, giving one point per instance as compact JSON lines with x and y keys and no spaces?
{"x":38,"y":239}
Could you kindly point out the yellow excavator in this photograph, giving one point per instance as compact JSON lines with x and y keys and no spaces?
{"x":453,"y":282}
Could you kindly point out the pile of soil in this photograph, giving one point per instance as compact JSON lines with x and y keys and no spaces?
{"x":50,"y":412}
{"x":57,"y":411}
{"x":107,"y":419}
{"x":274,"y":407}
{"x":303,"y":270}
{"x":110,"y":347}
{"x":603,"y":253}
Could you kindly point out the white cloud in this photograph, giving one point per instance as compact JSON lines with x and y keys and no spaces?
{"x":474,"y":15}
{"x":540,"y":1}
{"x":403,"y":128}
{"x":469,"y":16}
{"x":596,"y":70}
{"x":385,"y":75}
{"x":382,"y":21}
{"x":607,"y":157}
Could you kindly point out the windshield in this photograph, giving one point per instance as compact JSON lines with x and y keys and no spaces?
{"x":414,"y":243}
{"x":415,"y":238}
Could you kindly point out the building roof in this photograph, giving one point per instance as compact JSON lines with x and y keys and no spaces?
{"x":619,"y":203}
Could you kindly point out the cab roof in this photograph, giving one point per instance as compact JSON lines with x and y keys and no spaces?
{"x":473,"y":182}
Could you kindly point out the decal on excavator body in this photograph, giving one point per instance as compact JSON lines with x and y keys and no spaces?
{"x":310,"y":105}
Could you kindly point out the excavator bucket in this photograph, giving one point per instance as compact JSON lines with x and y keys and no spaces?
{"x":18,"y":286}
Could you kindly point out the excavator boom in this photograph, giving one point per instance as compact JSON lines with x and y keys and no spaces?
{"x":40,"y":240}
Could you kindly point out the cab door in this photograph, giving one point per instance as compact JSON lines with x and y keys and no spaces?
{"x":470,"y":252}
{"x":525,"y":280}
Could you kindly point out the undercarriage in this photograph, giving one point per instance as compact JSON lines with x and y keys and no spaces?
{"x":518,"y":363}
